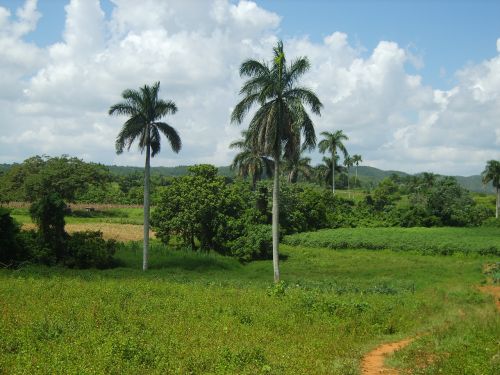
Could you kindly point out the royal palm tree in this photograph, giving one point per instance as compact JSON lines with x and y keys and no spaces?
{"x":296,"y":165}
{"x":145,"y":110}
{"x":492,"y":173}
{"x":356,"y":158}
{"x":273,"y":88}
{"x":324,"y":170}
{"x":333,"y":142}
{"x":249,"y":161}
{"x":348,"y":163}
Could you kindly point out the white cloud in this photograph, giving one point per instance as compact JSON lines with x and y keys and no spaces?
{"x":55,"y":100}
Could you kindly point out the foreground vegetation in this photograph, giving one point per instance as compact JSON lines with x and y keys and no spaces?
{"x":204,"y":313}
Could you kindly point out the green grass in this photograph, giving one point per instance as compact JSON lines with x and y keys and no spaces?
{"x":424,"y":240}
{"x":207,"y":314}
{"x":129,"y":215}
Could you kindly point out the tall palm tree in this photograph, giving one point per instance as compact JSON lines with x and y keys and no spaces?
{"x":356,"y":158}
{"x":249,"y":161}
{"x":348,"y":163}
{"x":273,"y":87}
{"x":333,"y":142}
{"x":492,"y":173}
{"x":145,"y":110}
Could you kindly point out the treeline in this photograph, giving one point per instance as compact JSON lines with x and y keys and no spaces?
{"x":207,"y":211}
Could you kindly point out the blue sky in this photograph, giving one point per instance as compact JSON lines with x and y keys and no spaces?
{"x":414,"y":84}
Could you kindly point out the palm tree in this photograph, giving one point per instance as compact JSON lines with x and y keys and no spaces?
{"x":348,"y":163}
{"x":145,"y":110}
{"x":324,"y":170}
{"x":492,"y":173}
{"x":332,"y":142}
{"x":296,"y":165}
{"x":356,"y":158}
{"x":273,"y":87}
{"x":249,"y":161}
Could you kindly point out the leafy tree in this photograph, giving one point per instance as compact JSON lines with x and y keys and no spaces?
{"x":41,"y":175}
{"x":202,"y":207}
{"x":333,"y":142}
{"x":492,"y":173}
{"x":250,"y":161}
{"x":145,"y":110}
{"x":280,"y":116}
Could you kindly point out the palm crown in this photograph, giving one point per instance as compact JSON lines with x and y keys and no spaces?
{"x":281,"y":114}
{"x":145,"y":109}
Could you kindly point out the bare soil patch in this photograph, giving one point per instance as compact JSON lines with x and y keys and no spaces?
{"x":118,"y":232}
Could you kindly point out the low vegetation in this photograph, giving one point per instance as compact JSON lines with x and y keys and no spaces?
{"x":205,"y":313}
{"x":443,"y":241}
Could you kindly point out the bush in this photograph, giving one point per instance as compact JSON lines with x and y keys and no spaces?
{"x":89,"y":250}
{"x":256,"y":243}
{"x":12,"y":250}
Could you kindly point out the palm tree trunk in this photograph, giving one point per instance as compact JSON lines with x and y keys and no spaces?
{"x":276,"y":191}
{"x":333,"y":173}
{"x":348,"y":189}
{"x":498,"y":202}
{"x":356,"y":181}
{"x":145,"y":250}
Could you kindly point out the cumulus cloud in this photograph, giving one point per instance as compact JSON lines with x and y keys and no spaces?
{"x":56,"y":98}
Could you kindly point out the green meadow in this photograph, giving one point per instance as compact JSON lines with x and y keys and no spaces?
{"x":201,"y":313}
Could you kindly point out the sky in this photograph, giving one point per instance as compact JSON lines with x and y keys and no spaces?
{"x":414,"y":84}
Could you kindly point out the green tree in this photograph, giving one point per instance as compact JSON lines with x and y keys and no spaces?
{"x":333,"y":142}
{"x":491,"y":174}
{"x":273,"y":87}
{"x":250,"y":161}
{"x":145,"y":110}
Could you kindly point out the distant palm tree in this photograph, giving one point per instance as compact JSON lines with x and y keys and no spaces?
{"x":348,"y":163}
{"x":492,"y":173}
{"x":273,"y":87}
{"x":296,"y":165}
{"x":324,"y":171}
{"x":333,"y":142}
{"x":145,"y":110}
{"x":249,"y":161}
{"x":356,"y":158}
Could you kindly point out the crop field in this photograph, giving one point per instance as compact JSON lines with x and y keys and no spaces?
{"x":198,"y":313}
{"x":434,"y":240}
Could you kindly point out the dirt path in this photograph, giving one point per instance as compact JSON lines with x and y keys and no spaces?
{"x":373,"y":362}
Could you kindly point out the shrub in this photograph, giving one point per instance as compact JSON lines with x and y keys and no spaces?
{"x":11,"y":248}
{"x":255,"y":243}
{"x":89,"y":250}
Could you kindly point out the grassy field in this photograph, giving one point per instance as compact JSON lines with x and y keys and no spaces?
{"x":205,"y":314}
{"x":424,"y":240}
{"x":109,"y":214}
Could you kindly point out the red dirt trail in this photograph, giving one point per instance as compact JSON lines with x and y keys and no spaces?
{"x":373,"y":362}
